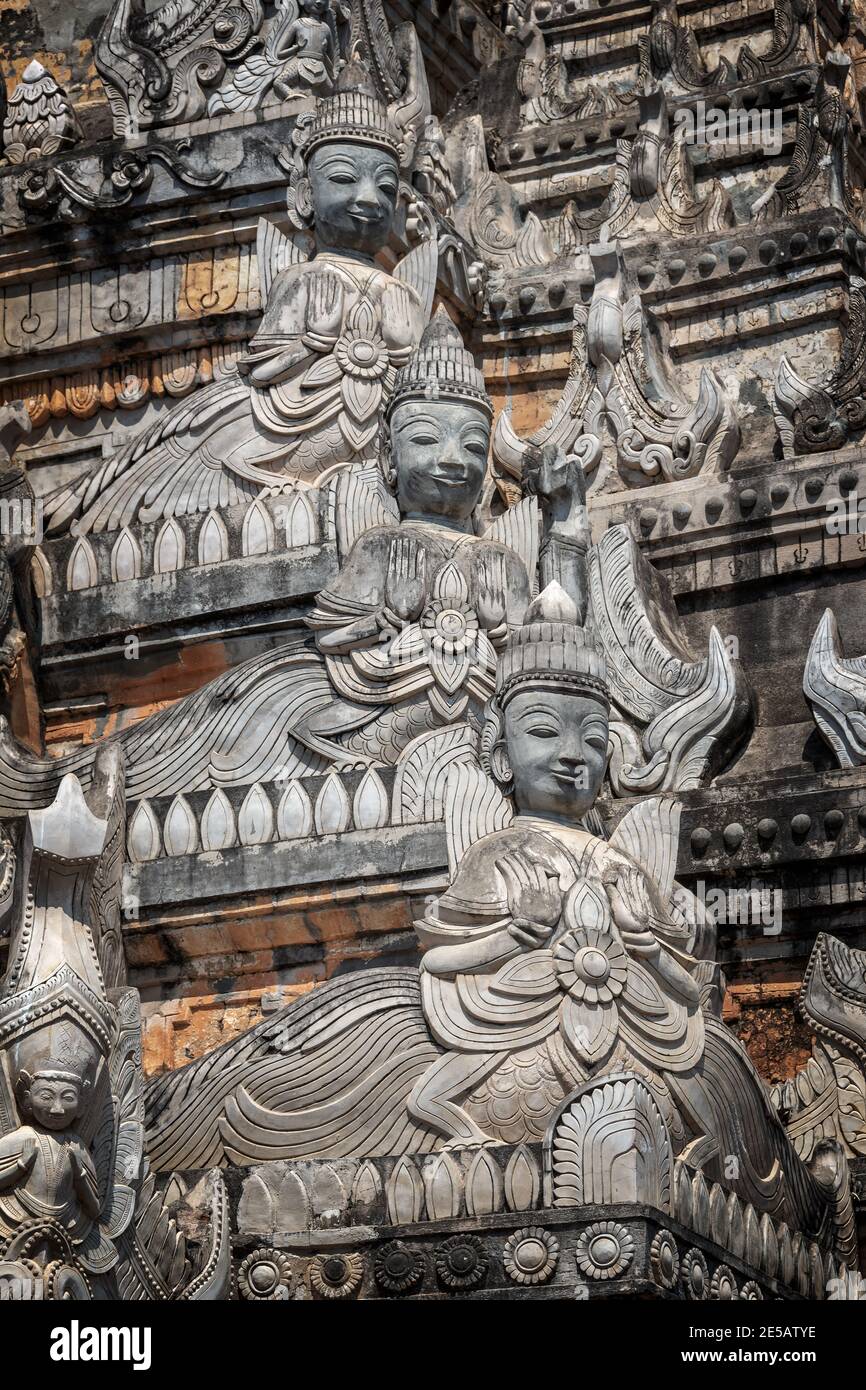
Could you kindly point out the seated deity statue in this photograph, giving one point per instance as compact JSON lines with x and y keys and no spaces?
{"x":555,"y":961}
{"x":406,"y":638}
{"x":336,"y":328}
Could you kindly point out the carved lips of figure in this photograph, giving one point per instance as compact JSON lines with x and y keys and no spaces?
{"x":354,"y":194}
{"x":557,"y":750}
{"x":439,"y":457}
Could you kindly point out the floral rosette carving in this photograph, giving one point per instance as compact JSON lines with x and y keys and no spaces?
{"x":336,"y":1276}
{"x":531,"y":1255}
{"x":397,"y":1268}
{"x":265,"y":1275}
{"x":461,"y":1262}
{"x":665,"y":1260}
{"x":363,"y":364}
{"x":724,"y":1286}
{"x":751,"y":1292}
{"x":604,"y":1250}
{"x":695,"y":1276}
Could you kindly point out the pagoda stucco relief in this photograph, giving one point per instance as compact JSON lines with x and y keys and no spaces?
{"x":431,"y":775}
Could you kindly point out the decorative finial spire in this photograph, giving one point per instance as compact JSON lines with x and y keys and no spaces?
{"x":39,"y":120}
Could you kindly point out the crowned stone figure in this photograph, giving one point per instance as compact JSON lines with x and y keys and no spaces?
{"x":555,"y":963}
{"x":309,"y":392}
{"x":408,"y":635}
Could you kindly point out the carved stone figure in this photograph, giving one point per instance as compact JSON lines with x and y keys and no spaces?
{"x":77,"y":1219}
{"x":301,"y":54}
{"x":557,"y":965}
{"x":17,"y":536}
{"x":408,"y":634}
{"x":336,"y":328}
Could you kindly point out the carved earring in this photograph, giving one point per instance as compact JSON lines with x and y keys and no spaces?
{"x":299,"y":199}
{"x":389,"y":472}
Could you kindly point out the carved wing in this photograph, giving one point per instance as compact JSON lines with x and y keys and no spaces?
{"x":695,"y":712}
{"x":423,"y":771}
{"x":649,"y":833}
{"x":649,"y":663}
{"x":418,"y":268}
{"x":474,"y":807}
{"x":275,"y":252}
{"x":518,"y":529}
{"x":329,"y":1076}
{"x":127,"y":1093}
{"x":358,"y":500}
{"x":836,"y":691}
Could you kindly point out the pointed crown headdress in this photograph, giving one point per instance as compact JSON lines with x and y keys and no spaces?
{"x":440,"y":368}
{"x":551,"y":650}
{"x":352,"y":112}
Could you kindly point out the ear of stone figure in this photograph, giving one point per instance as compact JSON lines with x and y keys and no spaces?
{"x":494,"y":751}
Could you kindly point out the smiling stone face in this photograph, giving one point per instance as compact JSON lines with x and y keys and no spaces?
{"x":439,"y":455}
{"x":353,"y":188}
{"x":54,"y":1100}
{"x":557,"y":750}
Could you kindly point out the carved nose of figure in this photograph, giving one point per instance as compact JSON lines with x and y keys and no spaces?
{"x":450,"y":455}
{"x":366,"y":197}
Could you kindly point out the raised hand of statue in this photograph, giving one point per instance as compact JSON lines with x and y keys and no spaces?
{"x":406,"y":582}
{"x":534,"y":899}
{"x":632,"y":907}
{"x":557,"y":479}
{"x":490,"y":603}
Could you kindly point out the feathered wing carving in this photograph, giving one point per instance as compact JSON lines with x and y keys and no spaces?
{"x":239,"y":726}
{"x":649,"y":834}
{"x":358,"y":500}
{"x":474,"y":807}
{"x":676,"y":720}
{"x":518,"y":528}
{"x":275,"y":252}
{"x":610,"y":1144}
{"x":419,"y":268}
{"x":328,"y":1077}
{"x":835,"y":687}
{"x":423,"y":771}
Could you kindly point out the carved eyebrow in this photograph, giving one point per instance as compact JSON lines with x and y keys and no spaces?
{"x":339,"y":157}
{"x":418,"y":420}
{"x":539,"y":709}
